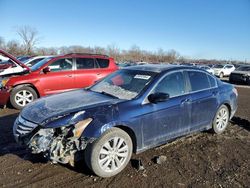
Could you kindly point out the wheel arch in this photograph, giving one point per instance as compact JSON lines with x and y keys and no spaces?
{"x":131,"y":133}
{"x":29,"y":85}
{"x":228,"y":106}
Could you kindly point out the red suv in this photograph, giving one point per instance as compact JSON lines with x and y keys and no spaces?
{"x":53,"y":75}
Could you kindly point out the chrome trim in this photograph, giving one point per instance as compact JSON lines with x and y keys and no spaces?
{"x":145,"y":101}
{"x":23,"y":126}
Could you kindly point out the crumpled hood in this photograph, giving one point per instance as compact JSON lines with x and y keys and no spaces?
{"x":53,"y":106}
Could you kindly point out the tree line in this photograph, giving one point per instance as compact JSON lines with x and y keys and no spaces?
{"x":30,"y":38}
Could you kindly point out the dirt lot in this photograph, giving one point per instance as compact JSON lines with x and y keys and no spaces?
{"x":201,"y":160}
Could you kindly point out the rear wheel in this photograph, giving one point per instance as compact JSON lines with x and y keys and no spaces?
{"x":110,"y":154}
{"x":21,"y":96}
{"x":221,"y":119}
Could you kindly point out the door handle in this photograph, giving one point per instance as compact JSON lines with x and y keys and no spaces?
{"x":186,"y":101}
{"x":215,"y":93}
{"x":70,"y":76}
{"x":98,"y":74}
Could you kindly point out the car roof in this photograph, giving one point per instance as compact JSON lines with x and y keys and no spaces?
{"x":158,"y":68}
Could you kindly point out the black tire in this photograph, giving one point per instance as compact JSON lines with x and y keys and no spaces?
{"x":216,"y":127}
{"x":19,"y":89}
{"x":248,"y":81}
{"x":92,"y":152}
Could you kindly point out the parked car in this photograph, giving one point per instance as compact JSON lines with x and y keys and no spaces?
{"x":131,"y":110}
{"x":11,"y":65}
{"x":207,"y":68}
{"x":54,"y":75}
{"x":23,"y":58}
{"x":241,"y":75}
{"x":223,"y":70}
{"x":32,"y":61}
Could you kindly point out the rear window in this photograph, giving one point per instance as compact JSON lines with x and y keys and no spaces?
{"x":218,"y":66}
{"x":85,"y":63}
{"x":103,"y":63}
{"x":212,"y":81}
{"x":198,"y":80}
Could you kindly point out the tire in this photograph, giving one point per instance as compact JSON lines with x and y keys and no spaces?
{"x":28,"y":94}
{"x":221,"y":120}
{"x":221,"y":75}
{"x":102,"y":163}
{"x":248,"y":81}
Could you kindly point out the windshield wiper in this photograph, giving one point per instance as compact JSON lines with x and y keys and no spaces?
{"x":108,"y":94}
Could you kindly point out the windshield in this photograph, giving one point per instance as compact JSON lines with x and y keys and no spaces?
{"x":218,"y":66}
{"x":5,"y":62}
{"x":40,"y":64}
{"x":124,"y":84}
{"x":205,"y":67}
{"x":22,"y":59}
{"x":244,"y":68}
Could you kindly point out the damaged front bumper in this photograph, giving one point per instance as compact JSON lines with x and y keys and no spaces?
{"x":59,"y":145}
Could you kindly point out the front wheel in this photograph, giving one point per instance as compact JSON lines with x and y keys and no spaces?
{"x":221,"y":119}
{"x":110,"y":154}
{"x":221,"y":75}
{"x":21,"y":96}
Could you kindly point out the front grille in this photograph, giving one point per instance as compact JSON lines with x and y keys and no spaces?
{"x":23,"y":126}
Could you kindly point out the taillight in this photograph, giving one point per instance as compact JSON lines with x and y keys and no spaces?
{"x":235,"y":91}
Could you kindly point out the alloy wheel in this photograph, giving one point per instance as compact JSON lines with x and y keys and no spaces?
{"x":113,"y":154}
{"x":222,"y":119}
{"x":23,"y":97}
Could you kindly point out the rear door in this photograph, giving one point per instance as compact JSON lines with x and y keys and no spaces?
{"x":86,"y":73}
{"x":204,"y":99}
{"x":228,"y":69}
{"x":60,"y":78}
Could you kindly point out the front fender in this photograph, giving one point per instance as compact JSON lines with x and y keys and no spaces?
{"x":96,"y":131}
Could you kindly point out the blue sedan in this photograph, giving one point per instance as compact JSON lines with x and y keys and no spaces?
{"x":131,"y":110}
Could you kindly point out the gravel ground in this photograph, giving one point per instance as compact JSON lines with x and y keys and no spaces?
{"x":200,"y":160}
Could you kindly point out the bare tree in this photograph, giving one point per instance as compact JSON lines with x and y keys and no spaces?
{"x":2,"y":42}
{"x":14,"y":48}
{"x":29,"y":35}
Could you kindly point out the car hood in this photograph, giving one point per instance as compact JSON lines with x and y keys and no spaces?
{"x":241,"y":72}
{"x":15,"y":74}
{"x":15,"y":60}
{"x":48,"y":108}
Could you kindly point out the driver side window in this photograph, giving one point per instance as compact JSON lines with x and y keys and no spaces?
{"x":172,"y":84}
{"x":61,"y":65}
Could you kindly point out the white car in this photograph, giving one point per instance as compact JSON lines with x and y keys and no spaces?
{"x":14,"y":65}
{"x":223,"y":70}
{"x":207,"y":68}
{"x":32,"y":61}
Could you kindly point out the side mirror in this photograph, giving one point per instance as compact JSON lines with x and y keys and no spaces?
{"x":46,"y":70}
{"x":158,"y":97}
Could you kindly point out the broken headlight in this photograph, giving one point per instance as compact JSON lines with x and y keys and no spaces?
{"x":80,"y":126}
{"x":41,"y":141}
{"x":3,"y":82}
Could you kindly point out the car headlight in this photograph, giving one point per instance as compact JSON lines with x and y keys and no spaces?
{"x":80,"y":126}
{"x":4,"y":82}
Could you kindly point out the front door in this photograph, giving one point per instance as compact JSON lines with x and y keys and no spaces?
{"x":60,"y":78}
{"x":166,"y":120}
